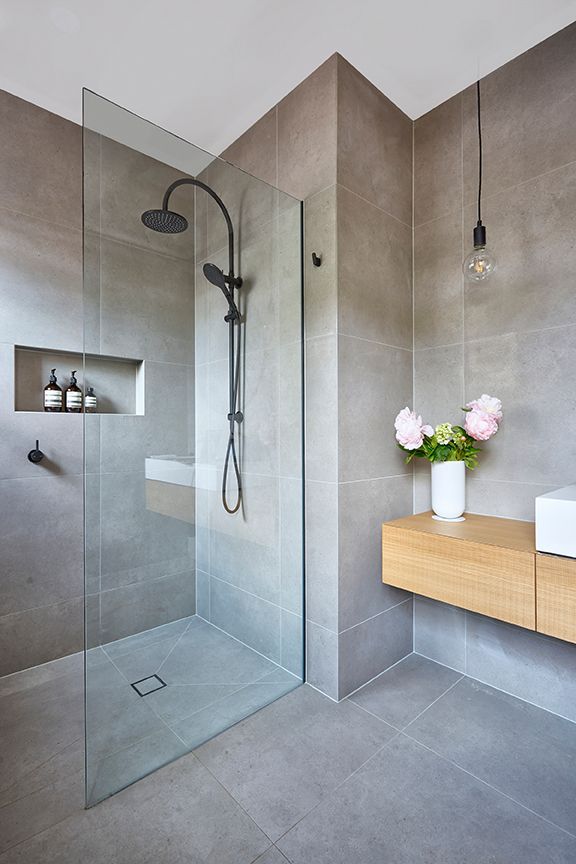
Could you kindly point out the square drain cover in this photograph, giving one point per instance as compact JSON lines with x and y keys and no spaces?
{"x":148,"y":685}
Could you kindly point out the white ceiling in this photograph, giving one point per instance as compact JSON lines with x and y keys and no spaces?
{"x":207,"y":71}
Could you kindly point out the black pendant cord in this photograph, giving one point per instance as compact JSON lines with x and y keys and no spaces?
{"x":479,"y":153}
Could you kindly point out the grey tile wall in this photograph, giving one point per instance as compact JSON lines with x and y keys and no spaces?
{"x":140,"y":305}
{"x":513,"y":337}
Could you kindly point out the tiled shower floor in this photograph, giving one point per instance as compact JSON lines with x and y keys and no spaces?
{"x":422,"y":766}
{"x":212,"y":681}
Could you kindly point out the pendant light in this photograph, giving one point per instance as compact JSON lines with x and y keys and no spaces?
{"x":480,"y":263}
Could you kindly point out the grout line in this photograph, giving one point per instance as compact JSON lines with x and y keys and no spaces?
{"x":375,"y":206}
{"x":383,"y":672}
{"x":488,"y":785}
{"x":372,"y":342}
{"x":377,"y":615}
{"x":330,"y":792}
{"x":434,"y":702}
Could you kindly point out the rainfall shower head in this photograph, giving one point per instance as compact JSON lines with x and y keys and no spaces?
{"x":165,"y":221}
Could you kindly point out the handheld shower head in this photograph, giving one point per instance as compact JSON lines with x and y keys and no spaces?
{"x":164,"y":221}
{"x":214,"y":275}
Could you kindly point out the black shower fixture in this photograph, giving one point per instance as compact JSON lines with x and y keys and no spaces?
{"x":166,"y":221}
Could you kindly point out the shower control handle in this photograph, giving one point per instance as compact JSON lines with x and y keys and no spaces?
{"x":35,"y":455}
{"x":238,"y":416}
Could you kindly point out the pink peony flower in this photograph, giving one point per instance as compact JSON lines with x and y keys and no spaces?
{"x":488,"y":405}
{"x":480,"y":425}
{"x":410,"y":431}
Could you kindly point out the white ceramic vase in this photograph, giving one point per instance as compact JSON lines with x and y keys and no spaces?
{"x":448,"y":489}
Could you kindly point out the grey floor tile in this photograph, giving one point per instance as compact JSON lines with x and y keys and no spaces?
{"x":206,"y":655}
{"x":50,"y":799}
{"x":526,"y":752}
{"x":174,"y":702}
{"x":400,"y":694}
{"x":219,"y":716}
{"x":179,"y":815}
{"x":409,"y":806}
{"x":147,"y":638}
{"x":271,"y":856}
{"x":281,"y":761}
{"x":37,"y":723}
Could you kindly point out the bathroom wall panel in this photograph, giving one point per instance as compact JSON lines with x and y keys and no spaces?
{"x":307,"y":133}
{"x":40,"y":169}
{"x":34,"y":636}
{"x":322,"y":659}
{"x":247,"y":618}
{"x":40,"y":541}
{"x":438,"y":162}
{"x":373,"y":646}
{"x":322,"y":554}
{"x":321,"y":297}
{"x":438,"y":282}
{"x":41,"y":278}
{"x":440,"y":632}
{"x":531,"y":233}
{"x":374,"y":273}
{"x":363,"y":506}
{"x":374,"y":383}
{"x":516,"y":334}
{"x":528,"y":117}
{"x":255,"y":151}
{"x":374,"y":144}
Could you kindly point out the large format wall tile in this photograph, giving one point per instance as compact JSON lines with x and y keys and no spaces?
{"x":374,"y":383}
{"x":369,"y":648}
{"x":528,"y":116}
{"x":512,"y":500}
{"x":41,"y":277}
{"x":41,"y":165}
{"x":147,"y":304}
{"x":438,"y":162}
{"x":307,"y":120}
{"x":438,"y":282}
{"x":439,"y":384}
{"x":322,"y":553}
{"x":137,"y":544}
{"x":321,"y":295}
{"x":531,"y":234}
{"x":40,"y":541}
{"x":126,"y":440}
{"x":322,"y":408}
{"x":363,"y":506}
{"x":253,"y":621}
{"x":255,"y":150}
{"x":374,"y":273}
{"x":440,"y":632}
{"x":38,"y":635}
{"x":322,"y":659}
{"x":528,"y":372}
{"x":130,"y":183}
{"x":528,"y":665}
{"x":374,"y":144}
{"x":143,"y":605}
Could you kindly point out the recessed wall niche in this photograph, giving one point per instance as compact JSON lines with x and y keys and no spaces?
{"x":117,"y":382}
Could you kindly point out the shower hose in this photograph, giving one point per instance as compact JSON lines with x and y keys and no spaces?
{"x":234,"y":417}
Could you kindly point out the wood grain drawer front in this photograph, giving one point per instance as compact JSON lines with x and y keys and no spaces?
{"x":491,"y":580}
{"x":556,"y":596}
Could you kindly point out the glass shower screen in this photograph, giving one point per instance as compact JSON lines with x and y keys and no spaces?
{"x":192,"y":368}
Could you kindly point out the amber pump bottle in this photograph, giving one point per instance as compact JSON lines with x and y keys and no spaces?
{"x":53,"y":394}
{"x":73,"y":396}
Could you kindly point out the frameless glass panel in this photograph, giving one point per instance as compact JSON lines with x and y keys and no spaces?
{"x":192,"y":372}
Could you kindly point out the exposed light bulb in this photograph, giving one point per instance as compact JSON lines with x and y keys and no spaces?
{"x":480,"y":263}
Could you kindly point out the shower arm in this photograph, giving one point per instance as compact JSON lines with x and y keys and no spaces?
{"x":190,"y":181}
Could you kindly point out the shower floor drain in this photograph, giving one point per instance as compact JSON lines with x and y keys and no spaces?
{"x":148,"y":685}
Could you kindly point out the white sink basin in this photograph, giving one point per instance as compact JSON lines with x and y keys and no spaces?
{"x":556,"y":522}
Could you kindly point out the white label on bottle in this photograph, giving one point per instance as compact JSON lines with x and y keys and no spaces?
{"x":90,"y":401}
{"x":52,"y":399}
{"x":73,"y":399}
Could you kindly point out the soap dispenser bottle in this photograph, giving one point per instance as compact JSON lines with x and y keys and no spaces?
{"x":53,"y":394}
{"x":73,"y":396}
{"x":90,"y":401}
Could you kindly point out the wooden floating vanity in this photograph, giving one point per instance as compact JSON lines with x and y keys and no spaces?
{"x":485,"y":564}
